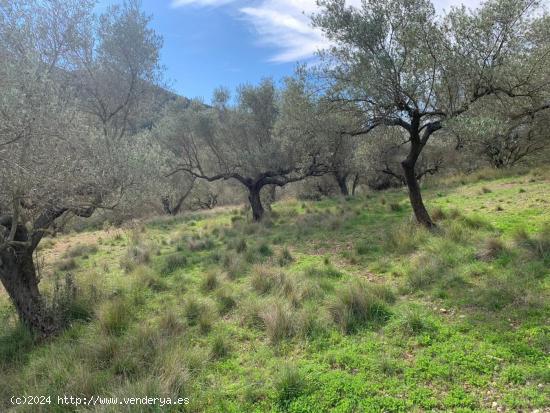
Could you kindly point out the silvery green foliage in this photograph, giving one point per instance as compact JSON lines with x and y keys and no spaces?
{"x":71,"y":88}
{"x":245,"y":140}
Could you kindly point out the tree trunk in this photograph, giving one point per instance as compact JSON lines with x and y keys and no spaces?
{"x":341,"y":179}
{"x":415,"y":196}
{"x":256,"y":203}
{"x":18,"y":275}
{"x":354,"y":184}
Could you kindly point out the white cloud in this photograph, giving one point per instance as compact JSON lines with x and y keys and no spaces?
{"x":202,"y":3}
{"x":285,"y":24}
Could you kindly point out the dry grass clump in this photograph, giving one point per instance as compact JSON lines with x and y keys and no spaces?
{"x":285,"y":257}
{"x":234,"y":266}
{"x":136,"y":254}
{"x":210,"y":281}
{"x":81,"y":250}
{"x":146,"y":277}
{"x":406,"y":238}
{"x":265,"y":279}
{"x":491,"y":249}
{"x":358,"y":305}
{"x":115,"y":315}
{"x":226,"y":299}
{"x":68,"y":264}
{"x":278,"y":320}
{"x":537,"y":246}
{"x":438,"y":214}
{"x":173,"y":263}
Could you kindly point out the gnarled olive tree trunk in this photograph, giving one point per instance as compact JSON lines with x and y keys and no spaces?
{"x":342,"y":180}
{"x":415,"y":196}
{"x":256,"y":202}
{"x":19,"y":278}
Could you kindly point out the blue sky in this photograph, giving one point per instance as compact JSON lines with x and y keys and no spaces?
{"x":210,"y":43}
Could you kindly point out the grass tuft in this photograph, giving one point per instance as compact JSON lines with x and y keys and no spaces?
{"x":356,"y":305}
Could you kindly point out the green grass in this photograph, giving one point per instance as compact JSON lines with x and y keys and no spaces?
{"x":338,"y":305}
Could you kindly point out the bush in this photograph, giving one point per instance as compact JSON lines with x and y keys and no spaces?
{"x":200,"y":244}
{"x":357,"y":305}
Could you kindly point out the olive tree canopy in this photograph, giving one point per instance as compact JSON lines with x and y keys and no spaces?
{"x":405,"y":67}
{"x":252,"y":141}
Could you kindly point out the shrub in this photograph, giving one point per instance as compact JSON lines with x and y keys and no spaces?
{"x":355,"y":306}
{"x":414,"y":322}
{"x":241,"y":246}
{"x":362,"y":248}
{"x":69,"y":302}
{"x":173,"y":263}
{"x":383,"y":292}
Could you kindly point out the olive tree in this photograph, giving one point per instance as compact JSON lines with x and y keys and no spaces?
{"x":405,"y":67}
{"x":63,"y":143}
{"x":252,"y":141}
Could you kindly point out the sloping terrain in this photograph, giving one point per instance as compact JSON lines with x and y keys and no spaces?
{"x":340,"y":305}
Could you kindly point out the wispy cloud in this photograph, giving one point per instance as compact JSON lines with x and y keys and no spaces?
{"x":202,"y":3}
{"x":286,"y":26}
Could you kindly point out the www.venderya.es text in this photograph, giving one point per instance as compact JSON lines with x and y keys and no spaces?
{"x":98,"y":400}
